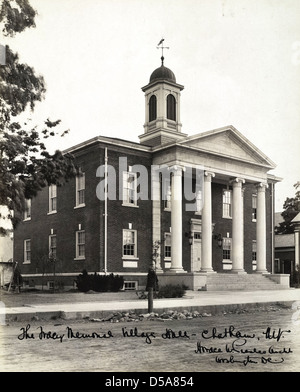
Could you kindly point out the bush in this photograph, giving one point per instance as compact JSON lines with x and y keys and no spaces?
{"x":99,"y":283}
{"x":172,"y":291}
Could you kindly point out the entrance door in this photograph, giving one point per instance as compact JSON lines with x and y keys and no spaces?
{"x":197,"y":252}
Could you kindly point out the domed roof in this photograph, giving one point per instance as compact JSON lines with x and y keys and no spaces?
{"x":163,"y":73}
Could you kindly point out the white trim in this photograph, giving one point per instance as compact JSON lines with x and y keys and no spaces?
{"x":70,"y":274}
{"x":240,"y":138}
{"x":50,"y":198}
{"x":25,"y":260}
{"x":229,"y":204}
{"x":108,"y":140}
{"x":253,"y":197}
{"x":77,"y":189}
{"x":79,"y":206}
{"x":130,"y":264}
{"x":166,"y":234}
{"x":129,"y":205}
{"x":135,"y":243}
{"x":49,"y":243}
{"x":27,"y":207}
{"x":77,"y":257}
{"x":128,"y":187}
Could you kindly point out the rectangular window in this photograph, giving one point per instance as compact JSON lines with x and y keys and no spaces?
{"x":199,"y":203}
{"x":129,"y":188}
{"x":197,"y":236}
{"x":80,"y":244}
{"x":227,"y":204}
{"x":167,"y":252}
{"x":52,"y":246}
{"x":254,"y":207}
{"x":129,"y":243}
{"x":27,"y":212}
{"x":27,"y":251}
{"x":52,"y":198}
{"x":253,"y":250}
{"x":226,"y":248}
{"x":167,"y":197}
{"x":130,"y":285}
{"x":80,"y":189}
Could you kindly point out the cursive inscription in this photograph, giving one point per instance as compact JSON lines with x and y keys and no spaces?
{"x":244,"y":347}
{"x":223,"y":345}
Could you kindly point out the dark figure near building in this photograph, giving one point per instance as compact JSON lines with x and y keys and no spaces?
{"x":152,"y":281}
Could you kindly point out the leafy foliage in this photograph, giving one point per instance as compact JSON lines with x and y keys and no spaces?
{"x":25,"y":164}
{"x":291,"y":208}
{"x":99,"y":283}
{"x":172,"y":291}
{"x":16,"y":16}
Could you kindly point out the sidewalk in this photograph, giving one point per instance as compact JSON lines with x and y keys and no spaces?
{"x":202,"y":301}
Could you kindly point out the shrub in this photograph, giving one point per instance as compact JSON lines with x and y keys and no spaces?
{"x":172,"y":291}
{"x":99,"y":283}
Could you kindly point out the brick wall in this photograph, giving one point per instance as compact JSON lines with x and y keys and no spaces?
{"x":64,"y":224}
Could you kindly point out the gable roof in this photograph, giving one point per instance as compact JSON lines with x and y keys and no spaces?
{"x":229,"y":143}
{"x":284,"y":240}
{"x":297,"y":218}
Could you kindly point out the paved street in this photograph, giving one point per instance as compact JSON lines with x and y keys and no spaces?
{"x":255,"y":340}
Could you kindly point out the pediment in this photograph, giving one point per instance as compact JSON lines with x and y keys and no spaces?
{"x":228,"y":143}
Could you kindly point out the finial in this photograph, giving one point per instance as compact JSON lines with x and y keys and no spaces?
{"x":162,"y":50}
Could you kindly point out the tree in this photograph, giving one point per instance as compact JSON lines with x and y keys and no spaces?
{"x":25,"y":164}
{"x":291,"y":208}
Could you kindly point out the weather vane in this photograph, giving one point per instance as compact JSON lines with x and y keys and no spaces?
{"x":162,"y":47}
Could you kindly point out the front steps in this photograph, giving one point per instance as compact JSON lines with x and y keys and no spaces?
{"x":246,"y":282}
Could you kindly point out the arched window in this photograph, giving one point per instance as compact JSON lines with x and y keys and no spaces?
{"x":171,"y":107}
{"x":152,"y":108}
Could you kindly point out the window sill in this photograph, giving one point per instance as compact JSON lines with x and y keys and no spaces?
{"x":79,"y":258}
{"x":79,"y":206}
{"x":128,"y":258}
{"x":227,"y":217}
{"x":26,"y":262}
{"x":26,"y":219}
{"x":167,"y":209}
{"x":254,"y":220}
{"x":52,"y":212}
{"x":130,"y":205}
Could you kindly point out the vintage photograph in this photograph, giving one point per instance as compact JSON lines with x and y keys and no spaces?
{"x":149,"y":188}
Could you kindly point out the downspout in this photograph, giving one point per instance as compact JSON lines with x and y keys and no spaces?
{"x":105,"y":213}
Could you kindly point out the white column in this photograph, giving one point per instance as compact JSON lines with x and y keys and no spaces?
{"x":261,"y":229}
{"x":297,"y":247}
{"x":156,"y":216}
{"x":176,"y":220}
{"x":237,"y":226}
{"x":206,"y":248}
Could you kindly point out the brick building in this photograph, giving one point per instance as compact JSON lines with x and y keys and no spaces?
{"x":206,"y":200}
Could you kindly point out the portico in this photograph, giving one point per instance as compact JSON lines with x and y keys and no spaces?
{"x":238,"y":173}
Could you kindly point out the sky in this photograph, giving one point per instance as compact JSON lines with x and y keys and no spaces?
{"x":239,"y":62}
